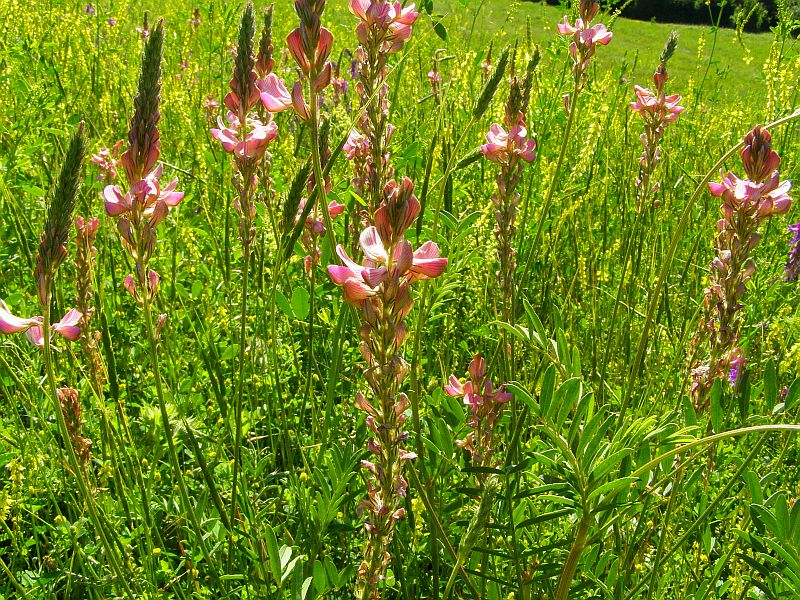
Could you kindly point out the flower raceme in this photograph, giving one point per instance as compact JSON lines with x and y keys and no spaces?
{"x":380,"y":288}
{"x":485,"y":406}
{"x":585,"y":37}
{"x":388,"y":23}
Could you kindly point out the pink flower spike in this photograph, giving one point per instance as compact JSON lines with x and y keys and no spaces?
{"x":12,"y":324}
{"x":69,"y":325}
{"x":274,"y":94}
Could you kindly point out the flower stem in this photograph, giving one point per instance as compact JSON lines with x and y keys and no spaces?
{"x":565,"y":581}
{"x":162,"y":405}
{"x":75,"y":466}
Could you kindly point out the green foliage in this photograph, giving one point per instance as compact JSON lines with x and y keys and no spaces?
{"x":663,"y":501}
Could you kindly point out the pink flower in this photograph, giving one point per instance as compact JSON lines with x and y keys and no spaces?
{"x":255,"y":140}
{"x":357,"y":145}
{"x":501,"y":144}
{"x":12,"y":324}
{"x":68,"y":326}
{"x":298,"y":102}
{"x":146,"y":195}
{"x":766,"y":199}
{"x":274,"y":94}
{"x":648,"y":103}
{"x":353,"y":277}
{"x":427,"y":264}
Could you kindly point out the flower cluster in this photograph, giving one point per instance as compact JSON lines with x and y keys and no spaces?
{"x":247,"y":134}
{"x":510,"y":148}
{"x":585,"y":37}
{"x":746,"y":204}
{"x":85,"y":233}
{"x":195,"y":20}
{"x":310,"y":45}
{"x":657,"y":110}
{"x":107,"y":160}
{"x":380,"y":289}
{"x":71,"y":408}
{"x":146,"y":202}
{"x":485,"y":409}
{"x":383,"y":29}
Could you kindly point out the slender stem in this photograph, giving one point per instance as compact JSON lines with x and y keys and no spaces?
{"x":162,"y":405}
{"x":237,"y":444}
{"x":76,"y":467}
{"x":562,"y":153}
{"x":565,"y":581}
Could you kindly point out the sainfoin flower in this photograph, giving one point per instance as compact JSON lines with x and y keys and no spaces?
{"x":380,"y":288}
{"x":485,"y":409}
{"x":501,"y":144}
{"x":68,"y":326}
{"x":585,"y":37}
{"x":651,"y":105}
{"x":145,"y":197}
{"x":248,"y":145}
{"x":746,"y":204}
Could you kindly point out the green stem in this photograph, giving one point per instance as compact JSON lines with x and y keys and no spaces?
{"x":562,"y":153}
{"x":237,"y":433}
{"x":76,"y":467}
{"x":581,"y":537}
{"x":162,"y":405}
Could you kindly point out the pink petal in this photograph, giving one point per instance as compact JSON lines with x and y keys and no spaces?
{"x":275,"y":96}
{"x":35,"y":336}
{"x":372,"y":245}
{"x":12,"y":324}
{"x":69,"y":325}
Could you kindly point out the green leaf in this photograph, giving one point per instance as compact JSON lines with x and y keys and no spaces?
{"x":566,"y":398}
{"x":271,"y":542}
{"x":440,"y":30}
{"x":612,"y":487}
{"x":283,"y":304}
{"x":229,"y":352}
{"x":300,"y":303}
{"x":320,"y":578}
{"x":548,"y":384}
{"x":197,"y":289}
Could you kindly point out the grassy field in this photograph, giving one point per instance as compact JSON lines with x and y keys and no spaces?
{"x":732,"y":65}
{"x":595,"y":395}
